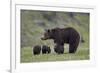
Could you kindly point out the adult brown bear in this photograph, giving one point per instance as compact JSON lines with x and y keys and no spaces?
{"x":63,"y":35}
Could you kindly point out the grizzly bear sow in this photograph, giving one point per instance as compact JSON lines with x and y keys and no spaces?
{"x":63,"y":35}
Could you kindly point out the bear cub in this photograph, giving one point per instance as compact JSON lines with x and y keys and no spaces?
{"x":36,"y":50}
{"x":46,"y":49}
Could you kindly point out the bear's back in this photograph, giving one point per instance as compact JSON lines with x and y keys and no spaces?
{"x":69,"y":33}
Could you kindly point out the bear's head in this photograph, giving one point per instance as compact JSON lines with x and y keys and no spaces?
{"x":47,"y":34}
{"x":50,"y":33}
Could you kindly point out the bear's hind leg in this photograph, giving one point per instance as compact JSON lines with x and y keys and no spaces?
{"x":73,"y":47}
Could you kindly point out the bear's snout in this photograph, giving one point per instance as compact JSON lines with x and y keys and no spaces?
{"x":42,"y":38}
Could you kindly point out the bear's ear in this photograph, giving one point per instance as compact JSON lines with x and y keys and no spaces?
{"x":47,"y":30}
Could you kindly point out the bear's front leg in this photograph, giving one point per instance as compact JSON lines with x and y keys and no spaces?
{"x":59,"y":49}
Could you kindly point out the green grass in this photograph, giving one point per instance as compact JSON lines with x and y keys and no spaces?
{"x":28,"y":57}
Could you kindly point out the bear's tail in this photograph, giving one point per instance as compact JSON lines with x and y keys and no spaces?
{"x":82,"y":40}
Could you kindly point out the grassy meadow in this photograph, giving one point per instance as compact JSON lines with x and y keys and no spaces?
{"x":33,"y":24}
